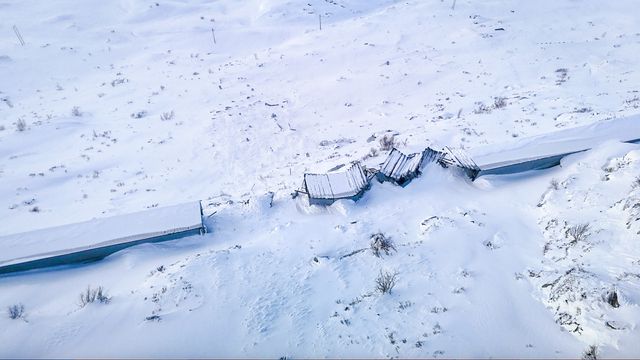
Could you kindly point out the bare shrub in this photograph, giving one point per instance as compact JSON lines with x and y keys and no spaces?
{"x":591,"y":353}
{"x":16,"y":311}
{"x":139,"y":114}
{"x":75,"y":111}
{"x":481,"y":108}
{"x":387,"y":142}
{"x":153,"y":318}
{"x":92,"y":295}
{"x":21,"y":125}
{"x":562,"y":74}
{"x":578,"y":233}
{"x":372,"y":153}
{"x":166,"y":116}
{"x":380,"y":243}
{"x":386,"y":281}
{"x":499,"y":102}
{"x":119,"y":81}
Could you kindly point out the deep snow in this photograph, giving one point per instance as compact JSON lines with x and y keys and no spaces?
{"x":129,"y":105}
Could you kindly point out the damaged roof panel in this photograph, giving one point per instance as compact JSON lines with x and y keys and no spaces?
{"x":401,"y":168}
{"x":399,"y":165}
{"x":337,"y":185}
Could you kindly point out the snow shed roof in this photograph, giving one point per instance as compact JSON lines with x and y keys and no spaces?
{"x":459,"y":158}
{"x":337,"y":185}
{"x":547,"y":150}
{"x":156,"y":224}
{"x":398,"y":165}
{"x":400,"y":168}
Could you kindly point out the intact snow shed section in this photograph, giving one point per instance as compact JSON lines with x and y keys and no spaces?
{"x":324,"y":189}
{"x":98,"y":238}
{"x":545,"y":151}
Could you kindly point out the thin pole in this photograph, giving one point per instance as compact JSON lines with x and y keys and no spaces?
{"x":320,"y":20}
{"x":15,"y":30}
{"x":213,"y":33}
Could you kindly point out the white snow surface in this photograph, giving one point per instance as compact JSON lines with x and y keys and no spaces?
{"x":112,"y":107}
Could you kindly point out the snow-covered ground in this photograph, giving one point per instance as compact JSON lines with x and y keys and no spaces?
{"x":115,"y":107}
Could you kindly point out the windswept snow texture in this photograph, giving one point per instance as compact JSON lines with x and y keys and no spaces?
{"x":113,"y":107}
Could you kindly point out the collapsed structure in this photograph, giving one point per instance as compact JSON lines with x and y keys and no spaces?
{"x":460,"y":159}
{"x":401,"y":169}
{"x":324,"y":189}
{"x":96,"y":239}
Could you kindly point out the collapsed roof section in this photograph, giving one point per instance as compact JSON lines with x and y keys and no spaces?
{"x":459,"y":158}
{"x":324,"y":189}
{"x":401,"y":169}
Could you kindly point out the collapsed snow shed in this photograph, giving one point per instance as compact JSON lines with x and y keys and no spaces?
{"x":460,"y":159}
{"x":324,"y":189}
{"x":95,"y":239}
{"x":401,"y":169}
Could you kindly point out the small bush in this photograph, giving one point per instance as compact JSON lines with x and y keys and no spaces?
{"x":482,"y":108}
{"x":386,"y":281}
{"x":75,"y":111}
{"x":166,"y":116}
{"x":153,"y":318}
{"x":591,"y":353}
{"x":380,"y":243}
{"x":578,"y":233}
{"x":139,"y":114}
{"x":372,"y":153}
{"x":387,"y":142}
{"x":16,"y":311}
{"x":92,"y":295}
{"x":21,"y":125}
{"x":499,"y":102}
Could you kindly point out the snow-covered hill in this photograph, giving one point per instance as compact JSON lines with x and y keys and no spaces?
{"x":114,"y":107}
